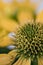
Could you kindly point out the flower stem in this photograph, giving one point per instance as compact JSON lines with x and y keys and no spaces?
{"x":34,"y":61}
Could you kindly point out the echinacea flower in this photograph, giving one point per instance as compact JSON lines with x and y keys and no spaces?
{"x":29,"y":44}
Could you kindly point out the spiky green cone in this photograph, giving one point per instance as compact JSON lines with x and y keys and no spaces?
{"x":29,"y":41}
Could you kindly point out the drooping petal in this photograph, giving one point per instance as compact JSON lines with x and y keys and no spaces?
{"x":22,"y":62}
{"x":18,"y":62}
{"x":26,"y":62}
{"x":5,"y":59}
{"x":40,"y":61}
{"x":12,"y":54}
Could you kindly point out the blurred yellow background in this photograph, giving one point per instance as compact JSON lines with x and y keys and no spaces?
{"x":9,"y":25}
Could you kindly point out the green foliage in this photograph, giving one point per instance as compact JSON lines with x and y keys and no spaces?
{"x":34,"y":61}
{"x":14,"y":16}
{"x":4,"y":50}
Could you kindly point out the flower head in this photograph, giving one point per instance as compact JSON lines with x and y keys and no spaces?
{"x":29,"y":40}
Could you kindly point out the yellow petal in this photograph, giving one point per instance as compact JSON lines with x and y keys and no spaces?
{"x":12,"y":54}
{"x":19,"y":61}
{"x":24,"y":17}
{"x":5,"y":41}
{"x":40,"y":17}
{"x":26,"y":62}
{"x":40,"y":61}
{"x":23,"y":62}
{"x":9,"y":25}
{"x":5,"y":59}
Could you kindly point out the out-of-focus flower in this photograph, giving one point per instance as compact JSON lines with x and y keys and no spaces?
{"x":8,"y":24}
{"x":40,"y":17}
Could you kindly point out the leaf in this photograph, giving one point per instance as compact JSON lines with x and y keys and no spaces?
{"x":4,"y":50}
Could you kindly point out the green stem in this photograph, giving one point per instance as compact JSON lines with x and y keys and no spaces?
{"x":34,"y":61}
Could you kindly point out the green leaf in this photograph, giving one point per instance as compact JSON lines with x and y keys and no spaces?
{"x":4,"y":50}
